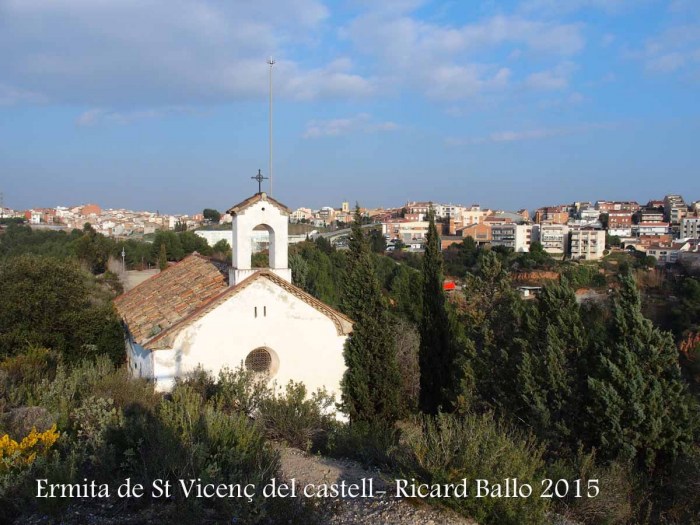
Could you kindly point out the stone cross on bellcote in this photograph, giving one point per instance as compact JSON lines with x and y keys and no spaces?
{"x":259,"y":177}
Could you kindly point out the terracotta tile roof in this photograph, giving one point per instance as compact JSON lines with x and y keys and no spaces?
{"x":170,"y":296}
{"x":164,"y":339}
{"x":238,"y":208}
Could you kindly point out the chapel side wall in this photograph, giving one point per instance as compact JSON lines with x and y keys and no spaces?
{"x":139,"y":359}
{"x":305,"y":341}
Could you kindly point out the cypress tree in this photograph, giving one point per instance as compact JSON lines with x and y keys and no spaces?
{"x":639,"y":405}
{"x":162,"y":257}
{"x":371,"y":386}
{"x":549,"y":376}
{"x":444,"y":356}
{"x":498,"y":323}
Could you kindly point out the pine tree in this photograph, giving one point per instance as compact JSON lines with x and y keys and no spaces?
{"x":163,"y":257}
{"x":371,"y":386}
{"x":639,"y":405}
{"x":549,"y":374}
{"x":444,"y":357}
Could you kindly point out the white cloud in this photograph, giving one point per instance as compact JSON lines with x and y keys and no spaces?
{"x":404,"y":34}
{"x":362,"y":123}
{"x":607,"y":40}
{"x":564,"y":102}
{"x":96,"y":116}
{"x":525,"y":135}
{"x":450,"y":62}
{"x":553,"y":79}
{"x":667,"y":63}
{"x":506,"y":136}
{"x":10,"y":96}
{"x":674,"y":49}
{"x":331,"y":81}
{"x":164,"y":53}
{"x":570,"y":6}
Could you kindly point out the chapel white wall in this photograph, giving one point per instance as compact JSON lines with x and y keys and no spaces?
{"x":305,"y":340}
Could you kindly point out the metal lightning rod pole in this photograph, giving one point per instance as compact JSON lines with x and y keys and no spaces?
{"x":271,"y":62}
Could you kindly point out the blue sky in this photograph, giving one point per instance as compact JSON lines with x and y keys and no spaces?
{"x":162,"y":104}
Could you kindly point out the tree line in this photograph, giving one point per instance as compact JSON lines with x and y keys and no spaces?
{"x":597,"y":380}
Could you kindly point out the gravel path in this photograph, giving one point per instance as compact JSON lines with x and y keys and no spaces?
{"x":380,"y":510}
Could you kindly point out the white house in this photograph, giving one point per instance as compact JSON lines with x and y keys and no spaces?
{"x":202,"y":313}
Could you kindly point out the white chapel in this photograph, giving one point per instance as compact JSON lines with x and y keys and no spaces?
{"x":200,"y":312}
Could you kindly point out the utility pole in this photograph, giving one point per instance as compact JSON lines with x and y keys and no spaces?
{"x":2,"y":206}
{"x":271,"y":63}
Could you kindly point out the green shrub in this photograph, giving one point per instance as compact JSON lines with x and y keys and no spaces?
{"x":31,"y":366}
{"x":5,"y":390}
{"x":678,"y":490}
{"x":201,"y":381}
{"x":615,"y":504}
{"x":583,"y":275}
{"x":91,"y":422}
{"x":372,"y":444}
{"x":62,"y":394}
{"x":293,"y":418}
{"x":53,"y":303}
{"x":112,"y":280}
{"x":125,"y":390}
{"x":240,"y":390}
{"x":447,"y":448}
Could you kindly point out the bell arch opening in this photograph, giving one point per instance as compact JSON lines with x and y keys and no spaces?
{"x":262,"y":249}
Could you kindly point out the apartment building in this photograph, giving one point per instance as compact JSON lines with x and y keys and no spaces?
{"x":474,"y":215}
{"x":481,"y":233}
{"x":587,"y":244}
{"x":690,"y":228}
{"x":302,"y":213}
{"x":664,"y":254}
{"x":524,"y":213}
{"x":326,"y":214}
{"x":447,"y":211}
{"x":674,"y":208}
{"x":589,"y":214}
{"x":418,"y":207}
{"x":645,"y":241}
{"x":554,"y":238}
{"x":671,"y":253}
{"x":650,"y":229}
{"x":620,"y":223}
{"x":405,"y":230}
{"x":515,"y":236}
{"x":608,"y":206}
{"x":552,"y":214}
{"x":651,"y":215}
{"x":467,"y":217}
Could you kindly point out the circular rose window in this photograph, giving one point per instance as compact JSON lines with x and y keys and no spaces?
{"x":259,"y":360}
